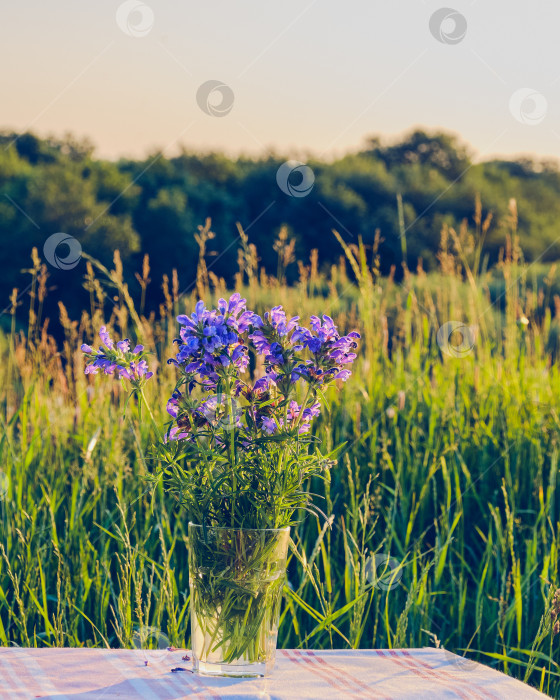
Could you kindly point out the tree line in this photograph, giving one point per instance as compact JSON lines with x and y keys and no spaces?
{"x":403,"y":192}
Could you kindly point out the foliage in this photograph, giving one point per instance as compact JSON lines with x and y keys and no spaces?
{"x":450,"y":467}
{"x":154,"y":206}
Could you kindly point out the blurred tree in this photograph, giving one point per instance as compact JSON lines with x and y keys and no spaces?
{"x":155,"y":205}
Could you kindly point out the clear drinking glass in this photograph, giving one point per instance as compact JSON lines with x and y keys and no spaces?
{"x":236,"y":579}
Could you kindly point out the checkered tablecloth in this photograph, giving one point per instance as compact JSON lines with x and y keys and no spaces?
{"x":95,"y":674}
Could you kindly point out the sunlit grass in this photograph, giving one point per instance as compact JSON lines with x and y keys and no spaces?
{"x":450,"y":468}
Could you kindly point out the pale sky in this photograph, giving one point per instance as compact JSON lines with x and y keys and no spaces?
{"x":315,"y":76}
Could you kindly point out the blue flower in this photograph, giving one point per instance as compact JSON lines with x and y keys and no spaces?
{"x":213,"y":338}
{"x":274,"y":327}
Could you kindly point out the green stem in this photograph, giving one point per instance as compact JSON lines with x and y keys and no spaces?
{"x":149,"y":410}
{"x":232,"y":451}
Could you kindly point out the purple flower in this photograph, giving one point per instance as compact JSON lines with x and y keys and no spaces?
{"x":117,"y":360}
{"x":303,"y":417}
{"x":262,"y":384}
{"x":175,"y":434}
{"x":211,"y":341}
{"x":173,"y":404}
{"x":270,"y":331}
{"x":279,"y":322}
{"x":105,"y":338}
{"x":136,"y":370}
{"x":268,"y":425}
{"x":213,"y":352}
{"x":124,"y":345}
{"x":275,"y":354}
{"x":256,"y":321}
{"x":330,"y":351}
{"x":260,"y":342}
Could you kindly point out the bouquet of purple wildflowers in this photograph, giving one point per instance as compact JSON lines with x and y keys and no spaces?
{"x":245,"y":448}
{"x":238,"y":452}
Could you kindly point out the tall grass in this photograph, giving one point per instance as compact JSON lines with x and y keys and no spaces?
{"x":450,"y":466}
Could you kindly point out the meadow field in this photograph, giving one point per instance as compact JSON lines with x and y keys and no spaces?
{"x":442,"y":515}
